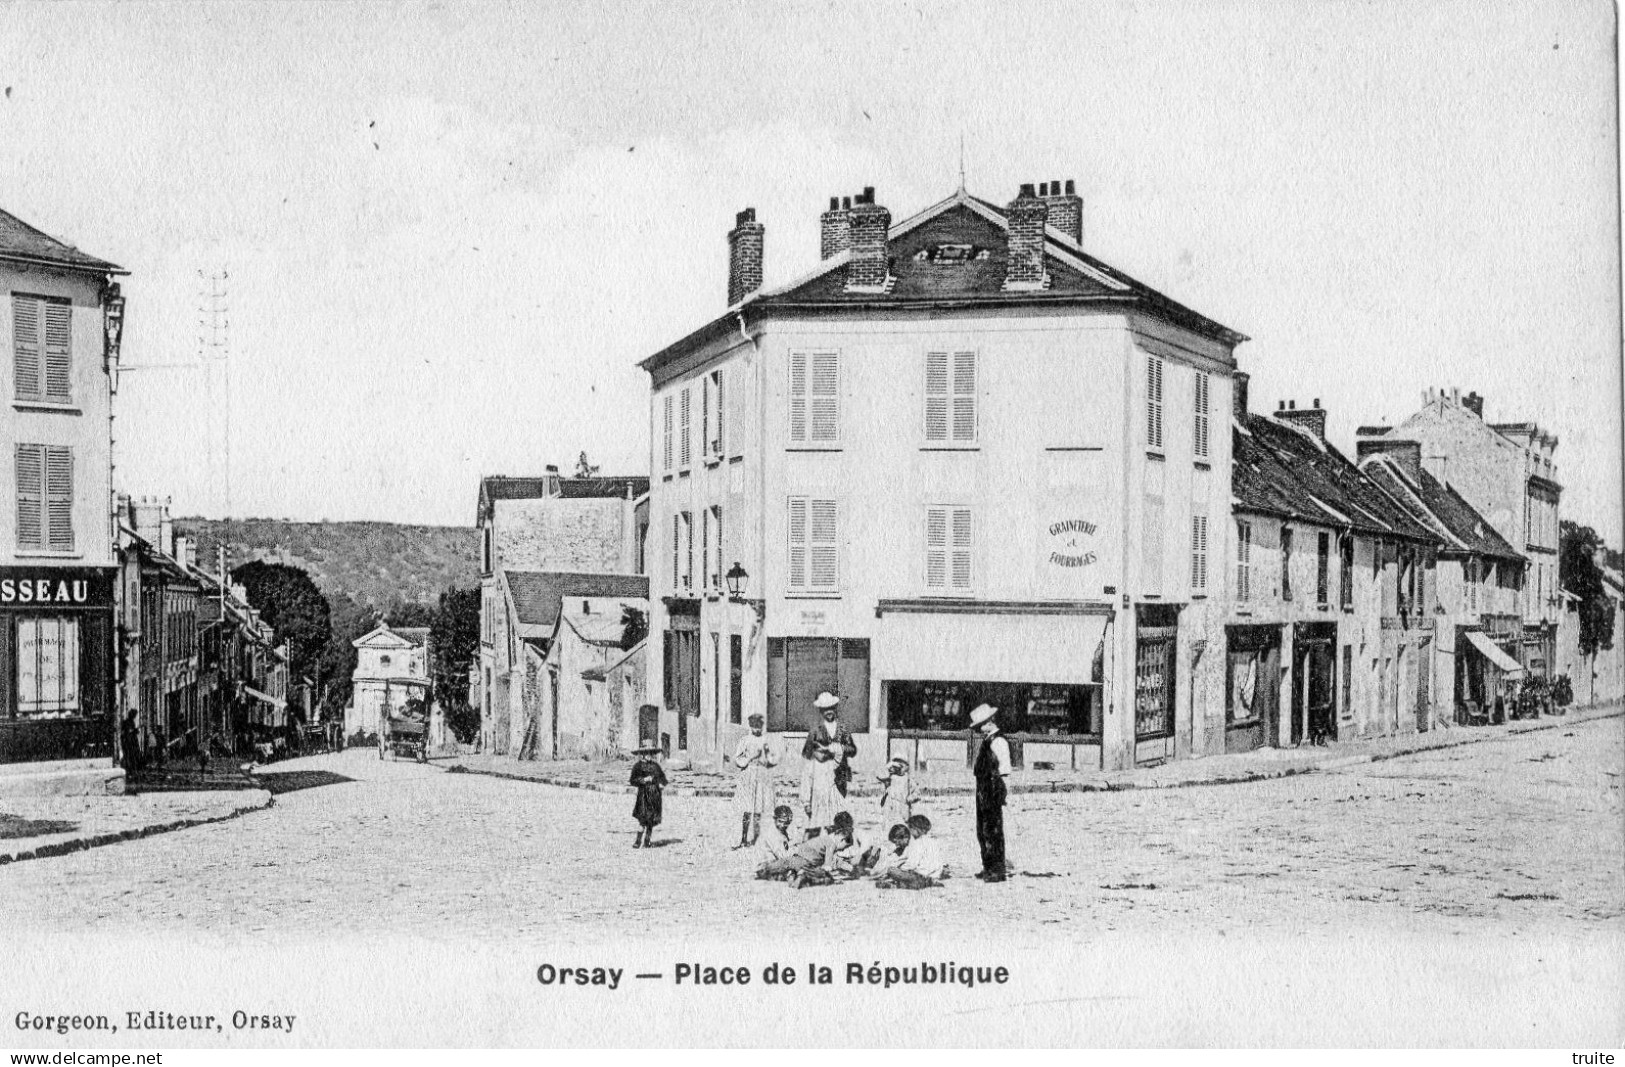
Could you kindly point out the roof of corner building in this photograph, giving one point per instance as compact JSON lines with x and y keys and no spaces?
{"x":1443,"y":509}
{"x":921,"y":278}
{"x":20,"y":241}
{"x":1283,"y":470}
{"x":538,"y":595}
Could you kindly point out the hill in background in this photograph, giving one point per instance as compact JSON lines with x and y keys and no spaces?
{"x":372,"y":563}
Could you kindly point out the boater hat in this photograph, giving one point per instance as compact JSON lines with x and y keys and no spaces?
{"x":754,"y":717}
{"x":826,"y":700}
{"x":982,"y":713}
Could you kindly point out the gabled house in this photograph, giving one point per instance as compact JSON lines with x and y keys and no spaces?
{"x":1329,"y":625}
{"x":960,"y":460}
{"x":392,"y":668}
{"x":1480,"y":584}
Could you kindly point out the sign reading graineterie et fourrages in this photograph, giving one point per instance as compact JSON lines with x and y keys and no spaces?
{"x":37,"y":588}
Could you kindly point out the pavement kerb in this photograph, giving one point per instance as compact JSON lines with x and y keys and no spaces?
{"x":1241,"y":777}
{"x":134,"y":833}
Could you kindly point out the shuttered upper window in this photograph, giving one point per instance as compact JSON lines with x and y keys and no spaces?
{"x":715,"y":417}
{"x":1244,"y":561}
{"x":669,"y":429}
{"x":950,"y":397}
{"x":814,"y":546}
{"x":1153,"y":402}
{"x":1201,"y":435}
{"x":1198,"y":554}
{"x":45,"y":498}
{"x":685,"y":430}
{"x":815,"y":398}
{"x":42,"y":348}
{"x":950,"y":543}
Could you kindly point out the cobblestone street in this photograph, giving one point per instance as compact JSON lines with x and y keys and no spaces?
{"x":1516,"y":834}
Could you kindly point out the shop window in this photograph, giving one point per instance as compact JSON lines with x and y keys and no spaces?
{"x":799,"y":668}
{"x":1030,"y":708}
{"x":1253,"y":676}
{"x":1154,"y":681}
{"x":47,"y":667}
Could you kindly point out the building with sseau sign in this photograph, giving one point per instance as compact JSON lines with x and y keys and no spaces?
{"x":61,"y":317}
{"x":959,"y":460}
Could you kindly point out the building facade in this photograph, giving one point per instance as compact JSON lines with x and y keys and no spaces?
{"x":391,"y":669}
{"x":61,"y":317}
{"x":962,"y":460}
{"x":1506,"y":471}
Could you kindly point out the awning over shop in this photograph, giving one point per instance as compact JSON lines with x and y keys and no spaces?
{"x":1493,"y":653}
{"x":266,"y":697}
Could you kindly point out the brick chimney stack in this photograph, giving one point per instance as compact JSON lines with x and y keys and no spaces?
{"x":1024,"y":263}
{"x":1065,"y":208}
{"x":835,"y":228}
{"x":1408,"y":454}
{"x":1312,"y":419}
{"x":1474,"y":403}
{"x":1238,"y":396}
{"x":745,"y":243}
{"x":870,"y":227}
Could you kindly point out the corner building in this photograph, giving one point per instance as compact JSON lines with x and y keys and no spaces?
{"x":962,"y":460}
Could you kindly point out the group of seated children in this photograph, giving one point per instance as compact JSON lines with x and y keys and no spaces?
{"x":910,"y":858}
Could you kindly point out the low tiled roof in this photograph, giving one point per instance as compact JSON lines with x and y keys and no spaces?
{"x":1284,"y":470}
{"x":418,"y":635}
{"x":538,"y":594}
{"x":1443,"y":509}
{"x":623,"y":486}
{"x":501,"y":487}
{"x":19,"y":240}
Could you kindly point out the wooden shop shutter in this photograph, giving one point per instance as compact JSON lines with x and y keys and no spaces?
{"x":852,"y":678}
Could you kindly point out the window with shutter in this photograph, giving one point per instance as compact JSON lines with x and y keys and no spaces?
{"x":798,"y":398}
{"x":814,"y":546}
{"x":950,"y":549}
{"x":715,"y":411}
{"x":1198,"y":554}
{"x":824,"y":398}
{"x":1153,"y":402}
{"x":687,"y":519}
{"x":59,"y":499}
{"x":716,"y":555}
{"x":1201,"y":428}
{"x":31,"y":496}
{"x":705,"y":549}
{"x":27,"y":347}
{"x":58,"y":350}
{"x":936,"y":549}
{"x":950,"y":397}
{"x":676,"y":551}
{"x":685,"y":430}
{"x":1244,"y":561}
{"x":669,"y":427}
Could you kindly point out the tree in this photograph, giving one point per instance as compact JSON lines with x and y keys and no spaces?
{"x":454,"y":634}
{"x":636,"y":623}
{"x":1578,"y":573}
{"x":585,"y":469}
{"x":295,"y":609}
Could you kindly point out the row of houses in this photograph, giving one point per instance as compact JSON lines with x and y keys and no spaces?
{"x":963,"y":460}
{"x":105,"y":616}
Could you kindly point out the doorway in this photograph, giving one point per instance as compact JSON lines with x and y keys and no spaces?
{"x":1314,"y":692}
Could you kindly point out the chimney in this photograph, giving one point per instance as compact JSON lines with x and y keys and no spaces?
{"x":1408,"y":454}
{"x":1024,"y":262}
{"x":870,"y":227}
{"x":835,"y":228}
{"x":1474,"y":403}
{"x":150,"y":517}
{"x":744,"y":256}
{"x":183,"y":551}
{"x":1312,"y":419}
{"x":1238,"y":395}
{"x":553,"y":479}
{"x":1065,"y":209}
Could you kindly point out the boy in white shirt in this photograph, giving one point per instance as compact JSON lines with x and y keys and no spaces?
{"x":921,"y":866}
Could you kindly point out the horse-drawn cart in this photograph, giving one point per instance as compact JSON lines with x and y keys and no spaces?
{"x":405,"y":736}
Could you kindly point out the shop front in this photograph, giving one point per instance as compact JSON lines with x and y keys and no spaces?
{"x":1252,"y":687}
{"x":56,"y":665}
{"x":1043,"y":667}
{"x":1485,"y":666}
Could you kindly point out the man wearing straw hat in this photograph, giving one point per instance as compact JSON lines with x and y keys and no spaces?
{"x":991,"y":768}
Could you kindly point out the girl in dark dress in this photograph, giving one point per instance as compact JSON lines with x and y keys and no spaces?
{"x":650,"y":779}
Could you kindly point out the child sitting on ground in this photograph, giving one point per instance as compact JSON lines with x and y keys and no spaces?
{"x":891,"y":858}
{"x":775,"y":843}
{"x":921,"y":866}
{"x":812,"y":862}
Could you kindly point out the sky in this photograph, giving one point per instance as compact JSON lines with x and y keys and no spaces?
{"x":450,"y":231}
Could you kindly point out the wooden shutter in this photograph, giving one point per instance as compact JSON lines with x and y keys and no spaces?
{"x":59,"y":499}
{"x":1201,"y":428}
{"x":58,"y":350}
{"x":1153,"y":400}
{"x":963,"y":533}
{"x":685,"y":427}
{"x":852,"y":678}
{"x":936,"y":396}
{"x":824,"y":570}
{"x":30,"y":496}
{"x":824,"y":398}
{"x":705,"y":548}
{"x":936,"y":549}
{"x":798,"y":542}
{"x":778,"y":686}
{"x":1244,"y":558}
{"x":719,"y":444}
{"x":1199,"y":553}
{"x":705,"y":415}
{"x":965,"y":396}
{"x":27,"y":346}
{"x":798,"y":397}
{"x":716,"y":532}
{"x":668,"y":432}
{"x":813,"y":667}
{"x":677,"y":551}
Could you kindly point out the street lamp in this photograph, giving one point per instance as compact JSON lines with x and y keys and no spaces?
{"x":736,"y":578}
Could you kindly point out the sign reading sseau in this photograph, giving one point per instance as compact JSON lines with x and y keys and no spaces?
{"x":1069,"y":540}
{"x":67,"y":587}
